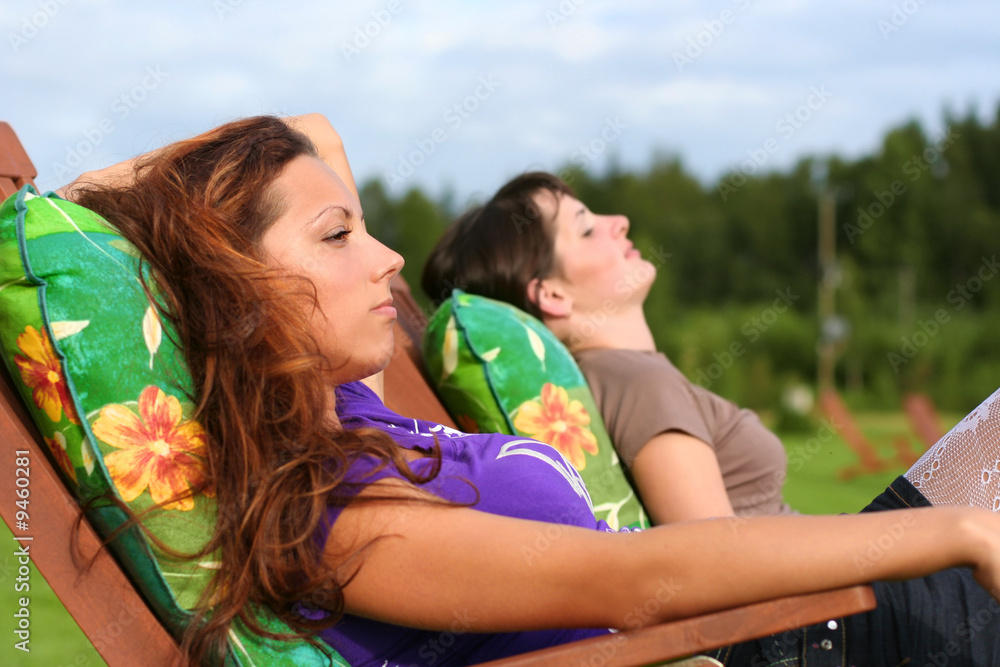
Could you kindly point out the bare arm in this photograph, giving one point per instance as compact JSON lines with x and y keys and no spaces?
{"x":678,"y":479}
{"x":328,"y":143}
{"x":435,"y":561}
{"x":116,"y":174}
{"x":315,"y":126}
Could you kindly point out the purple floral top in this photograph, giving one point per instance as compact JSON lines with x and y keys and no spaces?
{"x":514,"y":476}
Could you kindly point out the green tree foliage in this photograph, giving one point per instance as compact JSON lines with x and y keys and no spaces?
{"x":917,"y":231}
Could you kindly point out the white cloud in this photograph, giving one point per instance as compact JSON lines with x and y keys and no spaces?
{"x":561,"y":80}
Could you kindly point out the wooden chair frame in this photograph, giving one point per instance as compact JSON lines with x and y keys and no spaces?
{"x":114,"y":617}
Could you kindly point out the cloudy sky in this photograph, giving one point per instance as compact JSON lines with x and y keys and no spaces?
{"x":463,"y":95}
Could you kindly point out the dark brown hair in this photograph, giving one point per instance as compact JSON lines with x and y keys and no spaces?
{"x":497,"y":249}
{"x":197,"y":210}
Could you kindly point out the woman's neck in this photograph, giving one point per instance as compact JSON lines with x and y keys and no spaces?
{"x":625,"y":329}
{"x":377,"y":384}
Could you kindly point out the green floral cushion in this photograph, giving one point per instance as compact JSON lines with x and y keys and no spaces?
{"x":111,"y":395}
{"x":498,"y":369}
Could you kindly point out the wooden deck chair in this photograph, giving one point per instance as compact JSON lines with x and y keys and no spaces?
{"x":101,"y":599}
{"x":869,"y":460}
{"x":115,"y":618}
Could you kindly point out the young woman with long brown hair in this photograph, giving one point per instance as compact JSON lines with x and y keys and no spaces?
{"x":281,"y":301}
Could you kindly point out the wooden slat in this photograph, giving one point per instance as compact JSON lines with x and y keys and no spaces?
{"x":684,"y":637}
{"x":9,"y":168}
{"x":411,"y":318}
{"x":7,"y":187}
{"x":406,"y":389}
{"x":923,"y":417}
{"x":840,"y":416}
{"x":14,"y":160}
{"x":101,"y":600}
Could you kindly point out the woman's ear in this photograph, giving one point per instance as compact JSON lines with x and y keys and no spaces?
{"x":550,"y":297}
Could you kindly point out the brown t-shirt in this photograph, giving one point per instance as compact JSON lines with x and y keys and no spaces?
{"x":641,"y":395}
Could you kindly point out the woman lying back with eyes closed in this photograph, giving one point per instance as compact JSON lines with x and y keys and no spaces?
{"x":690,"y":453}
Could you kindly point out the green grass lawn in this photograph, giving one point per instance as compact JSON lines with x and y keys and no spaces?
{"x":813,"y":487}
{"x":56,"y":640}
{"x":814,"y":460}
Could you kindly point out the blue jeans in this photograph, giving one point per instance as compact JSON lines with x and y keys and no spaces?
{"x":942,"y":620}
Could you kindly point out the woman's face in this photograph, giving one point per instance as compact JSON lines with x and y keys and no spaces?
{"x":322,"y":236}
{"x":596,"y":263}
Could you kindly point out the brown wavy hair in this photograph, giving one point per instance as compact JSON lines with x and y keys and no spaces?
{"x":497,"y":249}
{"x":197,"y":210}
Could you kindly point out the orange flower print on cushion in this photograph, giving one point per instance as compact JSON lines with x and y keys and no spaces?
{"x":57,"y":445}
{"x":159,"y":450}
{"x":41,"y":372}
{"x":559,"y":422}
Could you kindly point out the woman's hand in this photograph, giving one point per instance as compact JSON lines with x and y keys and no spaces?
{"x":984,"y":532}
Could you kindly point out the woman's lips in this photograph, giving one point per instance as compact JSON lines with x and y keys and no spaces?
{"x":385,"y":308}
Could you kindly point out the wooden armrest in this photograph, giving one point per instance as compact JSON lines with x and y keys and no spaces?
{"x":690,"y":635}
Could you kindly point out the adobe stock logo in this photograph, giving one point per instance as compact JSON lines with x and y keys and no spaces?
{"x":786,"y":126}
{"x":364,"y":35}
{"x":752,"y":329}
{"x":31,"y":25}
{"x":710,"y":30}
{"x":122,"y":107}
{"x":957,"y":297}
{"x":455,"y":117}
{"x":915,"y":167}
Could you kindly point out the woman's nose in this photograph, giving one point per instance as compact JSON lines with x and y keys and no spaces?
{"x":621,"y":225}
{"x":390,"y":262}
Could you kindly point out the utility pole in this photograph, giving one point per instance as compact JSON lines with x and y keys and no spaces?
{"x":831,"y":327}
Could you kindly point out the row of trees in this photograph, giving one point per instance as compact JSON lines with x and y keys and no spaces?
{"x":917,"y":229}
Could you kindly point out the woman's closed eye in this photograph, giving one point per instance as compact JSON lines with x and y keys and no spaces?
{"x":339,"y":235}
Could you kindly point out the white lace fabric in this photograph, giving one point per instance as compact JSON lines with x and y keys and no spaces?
{"x":963,"y":467}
